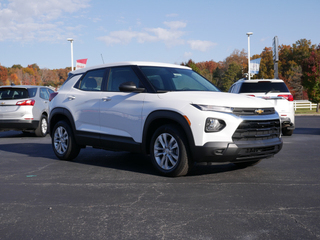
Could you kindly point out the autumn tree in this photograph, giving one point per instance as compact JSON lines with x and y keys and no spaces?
{"x":3,"y":75}
{"x":291,"y":59}
{"x":14,"y":79}
{"x":301,"y":50}
{"x":238,"y":57}
{"x":311,"y":76}
{"x":209,"y":65}
{"x":293,"y":79}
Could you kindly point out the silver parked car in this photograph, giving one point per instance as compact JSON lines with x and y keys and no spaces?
{"x":25,"y":108}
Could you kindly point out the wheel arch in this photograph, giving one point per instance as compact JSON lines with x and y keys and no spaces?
{"x":58,"y":114}
{"x":162,"y":117}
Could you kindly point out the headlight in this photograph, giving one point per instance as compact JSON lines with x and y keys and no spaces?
{"x":213,"y":108}
{"x":214,"y":125}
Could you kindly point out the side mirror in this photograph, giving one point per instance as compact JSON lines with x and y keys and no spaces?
{"x":130,"y":87}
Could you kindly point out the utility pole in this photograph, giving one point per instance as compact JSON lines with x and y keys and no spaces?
{"x":275,"y":44}
{"x":71,"y":41}
{"x":249,"y":33}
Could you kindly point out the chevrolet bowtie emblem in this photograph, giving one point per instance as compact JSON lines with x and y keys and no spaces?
{"x":259,"y":111}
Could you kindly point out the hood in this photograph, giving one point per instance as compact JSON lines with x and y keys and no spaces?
{"x":217,"y":99}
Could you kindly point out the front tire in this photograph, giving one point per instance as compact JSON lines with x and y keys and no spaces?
{"x":286,"y":132}
{"x":63,"y":142}
{"x":168,"y":151}
{"x":42,"y":128}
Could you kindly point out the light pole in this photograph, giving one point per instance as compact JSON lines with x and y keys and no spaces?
{"x":249,"y":33}
{"x":71,"y":41}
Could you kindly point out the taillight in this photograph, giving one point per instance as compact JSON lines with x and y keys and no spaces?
{"x":29,"y":102}
{"x":289,"y":97}
{"x":52,"y":95}
{"x":251,"y":95}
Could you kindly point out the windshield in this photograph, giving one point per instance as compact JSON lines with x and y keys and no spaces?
{"x":176,"y":79}
{"x":263,"y":87}
{"x":17,"y":93}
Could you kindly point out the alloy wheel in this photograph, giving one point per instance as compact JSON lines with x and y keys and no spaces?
{"x":61,"y":140}
{"x":166,"y":151}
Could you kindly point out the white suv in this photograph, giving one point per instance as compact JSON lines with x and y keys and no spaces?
{"x":166,"y":111}
{"x":274,"y":91}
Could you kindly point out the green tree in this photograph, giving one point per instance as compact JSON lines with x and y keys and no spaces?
{"x":217,"y":77}
{"x":232,"y":74}
{"x":192,"y":65}
{"x":301,"y":50}
{"x":266,"y":65}
{"x":17,"y":66}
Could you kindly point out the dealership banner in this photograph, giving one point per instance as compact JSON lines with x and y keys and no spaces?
{"x":255,"y":65}
{"x":81,"y":63}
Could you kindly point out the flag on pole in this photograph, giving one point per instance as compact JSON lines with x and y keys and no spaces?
{"x":81,"y":63}
{"x":255,"y":65}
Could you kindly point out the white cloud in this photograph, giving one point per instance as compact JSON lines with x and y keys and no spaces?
{"x":187,"y":55}
{"x":126,"y":36}
{"x":22,"y":20}
{"x":170,"y":36}
{"x":201,"y":45}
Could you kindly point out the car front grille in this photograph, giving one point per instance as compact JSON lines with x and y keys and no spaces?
{"x":253,"y":111}
{"x":251,"y":130}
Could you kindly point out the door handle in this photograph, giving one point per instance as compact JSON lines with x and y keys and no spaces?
{"x":71,"y":98}
{"x":106,"y":99}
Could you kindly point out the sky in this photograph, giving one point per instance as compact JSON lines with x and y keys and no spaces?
{"x":170,"y":31}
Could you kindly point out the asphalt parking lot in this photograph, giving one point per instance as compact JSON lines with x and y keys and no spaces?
{"x":108,"y":195}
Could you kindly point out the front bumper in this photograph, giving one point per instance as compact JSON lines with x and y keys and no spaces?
{"x":243,"y":151}
{"x":18,"y":124}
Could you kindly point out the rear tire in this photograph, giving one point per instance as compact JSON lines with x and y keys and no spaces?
{"x":42,"y":128}
{"x":63,"y":142}
{"x":168,"y":151}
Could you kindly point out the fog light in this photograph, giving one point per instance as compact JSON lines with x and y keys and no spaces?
{"x":214,"y":125}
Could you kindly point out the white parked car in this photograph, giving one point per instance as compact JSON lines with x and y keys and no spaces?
{"x":24,"y":108}
{"x":274,"y":91}
{"x":163,"y":110}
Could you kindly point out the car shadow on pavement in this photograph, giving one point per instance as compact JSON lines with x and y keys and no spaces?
{"x":124,"y":161}
{"x":36,"y":150}
{"x":140,"y":163}
{"x":16,"y":134}
{"x":308,"y":131}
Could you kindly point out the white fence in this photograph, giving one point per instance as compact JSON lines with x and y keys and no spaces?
{"x":304,"y":104}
